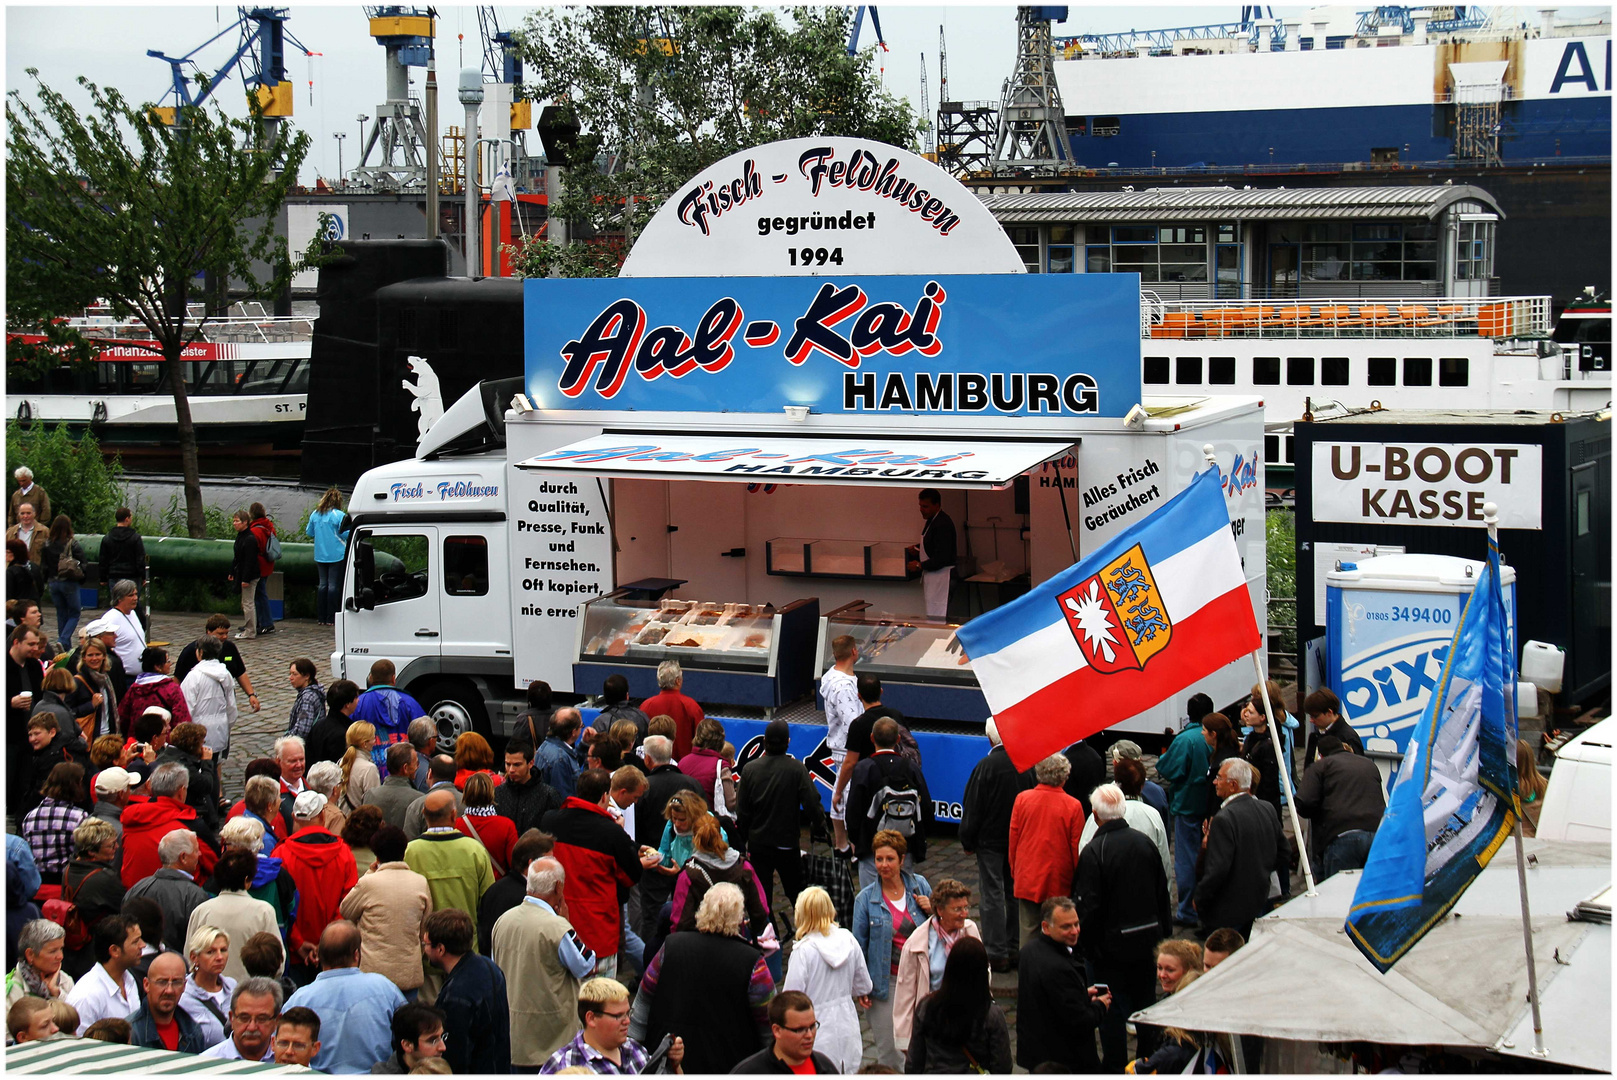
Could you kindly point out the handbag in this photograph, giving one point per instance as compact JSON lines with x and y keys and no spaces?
{"x":834,"y":874}
{"x":272,"y":548}
{"x":69,"y":568}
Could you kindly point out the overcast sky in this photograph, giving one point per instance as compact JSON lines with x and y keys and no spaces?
{"x":109,"y":45}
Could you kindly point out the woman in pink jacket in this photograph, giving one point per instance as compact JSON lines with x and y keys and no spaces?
{"x":926,"y":951}
{"x":154,"y":686}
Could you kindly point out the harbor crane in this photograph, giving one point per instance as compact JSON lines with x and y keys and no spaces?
{"x":260,"y":56}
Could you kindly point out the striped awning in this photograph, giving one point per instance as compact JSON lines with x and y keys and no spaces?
{"x":1240,"y":204}
{"x":92,"y":1056}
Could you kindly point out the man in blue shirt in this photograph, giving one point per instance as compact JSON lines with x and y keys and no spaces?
{"x":355,"y":1007}
{"x":1184,"y":765}
{"x":557,"y":761}
{"x":386,"y":708}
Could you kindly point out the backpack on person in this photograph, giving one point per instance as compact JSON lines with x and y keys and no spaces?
{"x":272,"y":547}
{"x":897,"y":806}
{"x":62,"y":911}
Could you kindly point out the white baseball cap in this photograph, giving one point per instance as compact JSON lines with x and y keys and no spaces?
{"x":308,"y":804}
{"x":111,"y":780}
{"x":158,"y":710}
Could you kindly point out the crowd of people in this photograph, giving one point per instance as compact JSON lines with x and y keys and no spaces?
{"x":605,"y":898}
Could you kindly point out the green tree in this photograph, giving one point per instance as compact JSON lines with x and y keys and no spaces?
{"x":81,"y":482}
{"x":661,"y":92}
{"x":113,"y":205}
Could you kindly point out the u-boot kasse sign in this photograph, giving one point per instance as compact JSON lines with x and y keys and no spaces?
{"x":1375,"y":483}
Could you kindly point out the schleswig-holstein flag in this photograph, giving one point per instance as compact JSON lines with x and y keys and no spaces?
{"x":1153,"y":610}
{"x":1454,"y":800}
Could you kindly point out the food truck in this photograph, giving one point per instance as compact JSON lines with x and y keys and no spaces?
{"x":725,"y":470}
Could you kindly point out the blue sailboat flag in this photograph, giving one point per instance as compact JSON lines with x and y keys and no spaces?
{"x":1454,"y":800}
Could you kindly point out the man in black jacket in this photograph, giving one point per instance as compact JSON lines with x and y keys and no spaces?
{"x":1057,"y":1011}
{"x":1325,"y":717}
{"x":1123,"y":904}
{"x":477,"y":1024}
{"x":985,"y":830}
{"x":791,"y":1022}
{"x":524,"y":797}
{"x":509,"y":891}
{"x":870,"y":810}
{"x":123,"y":552}
{"x":775,"y":791}
{"x":1244,"y":847}
{"x":1342,"y":793}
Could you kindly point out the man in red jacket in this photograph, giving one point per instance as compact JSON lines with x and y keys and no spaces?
{"x":672,"y":702}
{"x":1046,"y":824}
{"x":147,"y":823}
{"x":602,"y":865}
{"x":323,"y":869}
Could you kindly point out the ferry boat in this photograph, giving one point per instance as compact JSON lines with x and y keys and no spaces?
{"x":1379,"y":87}
{"x":248,"y":378}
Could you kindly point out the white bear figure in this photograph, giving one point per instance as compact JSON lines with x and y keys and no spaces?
{"x":428,"y":401}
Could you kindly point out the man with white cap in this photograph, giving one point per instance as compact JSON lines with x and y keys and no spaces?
{"x":112,"y":786}
{"x":323,"y":869}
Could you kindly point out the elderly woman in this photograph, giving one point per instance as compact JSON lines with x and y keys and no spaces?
{"x":269,"y":881}
{"x":497,"y":833}
{"x":40,"y":949}
{"x":358,"y":833}
{"x":474,"y":755}
{"x":709,"y":986}
{"x":359,"y":772}
{"x":261,"y":802}
{"x":49,"y":827}
{"x":829,"y":967}
{"x":885,"y":914}
{"x":92,"y":883}
{"x":325,"y":777}
{"x":207,"y":988}
{"x":925,"y":952}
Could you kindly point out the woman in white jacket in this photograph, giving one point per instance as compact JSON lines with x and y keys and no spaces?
{"x":828,"y":965}
{"x":210,"y":694}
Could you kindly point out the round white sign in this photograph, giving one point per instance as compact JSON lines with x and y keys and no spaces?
{"x":815,"y":207}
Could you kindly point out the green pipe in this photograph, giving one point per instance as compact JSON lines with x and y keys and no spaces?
{"x":180,"y":556}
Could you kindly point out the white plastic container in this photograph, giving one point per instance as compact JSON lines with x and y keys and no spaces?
{"x":1542,"y":664}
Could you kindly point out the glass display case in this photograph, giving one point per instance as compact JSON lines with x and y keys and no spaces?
{"x":910,"y":647}
{"x":876,"y":560}
{"x":733,"y":653}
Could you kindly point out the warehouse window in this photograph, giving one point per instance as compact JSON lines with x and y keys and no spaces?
{"x":1026,"y":239}
{"x":1333,"y":371}
{"x":1221,"y":370}
{"x":1156,"y":369}
{"x":1266,"y":371}
{"x":1166,"y":253}
{"x":1383,"y":371}
{"x":1369,"y":251}
{"x":1059,"y":250}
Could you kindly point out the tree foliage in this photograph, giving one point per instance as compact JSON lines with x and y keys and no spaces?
{"x":660,"y":93}
{"x":81,"y":482}
{"x":111,"y":204}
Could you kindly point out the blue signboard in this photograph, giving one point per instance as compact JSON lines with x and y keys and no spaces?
{"x":947,"y":758}
{"x":990,"y":344}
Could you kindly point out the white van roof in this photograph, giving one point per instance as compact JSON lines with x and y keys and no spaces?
{"x":1593,"y":745}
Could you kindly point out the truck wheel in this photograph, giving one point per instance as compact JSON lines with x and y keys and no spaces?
{"x":454,"y":708}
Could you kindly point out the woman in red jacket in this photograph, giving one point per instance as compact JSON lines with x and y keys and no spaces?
{"x":154,"y":686}
{"x":496,"y":833}
{"x":262,"y":529}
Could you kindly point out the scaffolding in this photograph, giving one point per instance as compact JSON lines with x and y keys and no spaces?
{"x":1032,"y":132}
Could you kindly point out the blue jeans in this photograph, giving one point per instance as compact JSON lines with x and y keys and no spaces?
{"x":1349,"y":851}
{"x":65,"y":595}
{"x":329,"y":575}
{"x":1187,"y":844}
{"x":261,"y":606}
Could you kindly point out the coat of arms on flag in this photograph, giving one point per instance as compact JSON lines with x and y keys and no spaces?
{"x":1117,"y":616}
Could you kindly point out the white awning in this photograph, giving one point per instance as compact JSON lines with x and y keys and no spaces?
{"x":851,"y":460}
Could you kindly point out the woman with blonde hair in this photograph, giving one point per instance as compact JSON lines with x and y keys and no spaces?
{"x":829,"y":967}
{"x":207,"y":988}
{"x":95,"y":704}
{"x":359,"y":772}
{"x":328,"y":528}
{"x":1530,"y":786}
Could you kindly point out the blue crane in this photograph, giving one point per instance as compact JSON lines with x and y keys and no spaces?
{"x":858,"y":21}
{"x":260,"y":54}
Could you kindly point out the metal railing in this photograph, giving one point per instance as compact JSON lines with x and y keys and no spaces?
{"x":229,"y":329}
{"x":1494,"y":317}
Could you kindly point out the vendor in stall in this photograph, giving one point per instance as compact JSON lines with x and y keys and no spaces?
{"x":935,"y":556}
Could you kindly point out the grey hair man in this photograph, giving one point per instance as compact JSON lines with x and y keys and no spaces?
{"x":254,"y":1005}
{"x":545,"y":962}
{"x":290,"y":755}
{"x":173,"y":886}
{"x":1245,"y":846}
{"x":1121,"y":889}
{"x":395,"y":795}
{"x":422,"y":734}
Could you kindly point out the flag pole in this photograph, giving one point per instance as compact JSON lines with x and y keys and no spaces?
{"x":1490,"y":516}
{"x":1274,"y":737}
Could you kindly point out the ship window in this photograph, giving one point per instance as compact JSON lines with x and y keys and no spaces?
{"x":1583,"y":513}
{"x":143,"y":376}
{"x":1333,"y":371}
{"x":1417,"y":371}
{"x":1383,"y":371}
{"x":466,"y":566}
{"x":1299,"y":371}
{"x":1271,"y":448}
{"x":1188,"y":369}
{"x":1221,"y":370}
{"x":1097,"y":260}
{"x":1026,"y":239}
{"x":1291,"y":449}
{"x":1266,"y":370}
{"x":1156,"y":369}
{"x":1454,"y":371}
